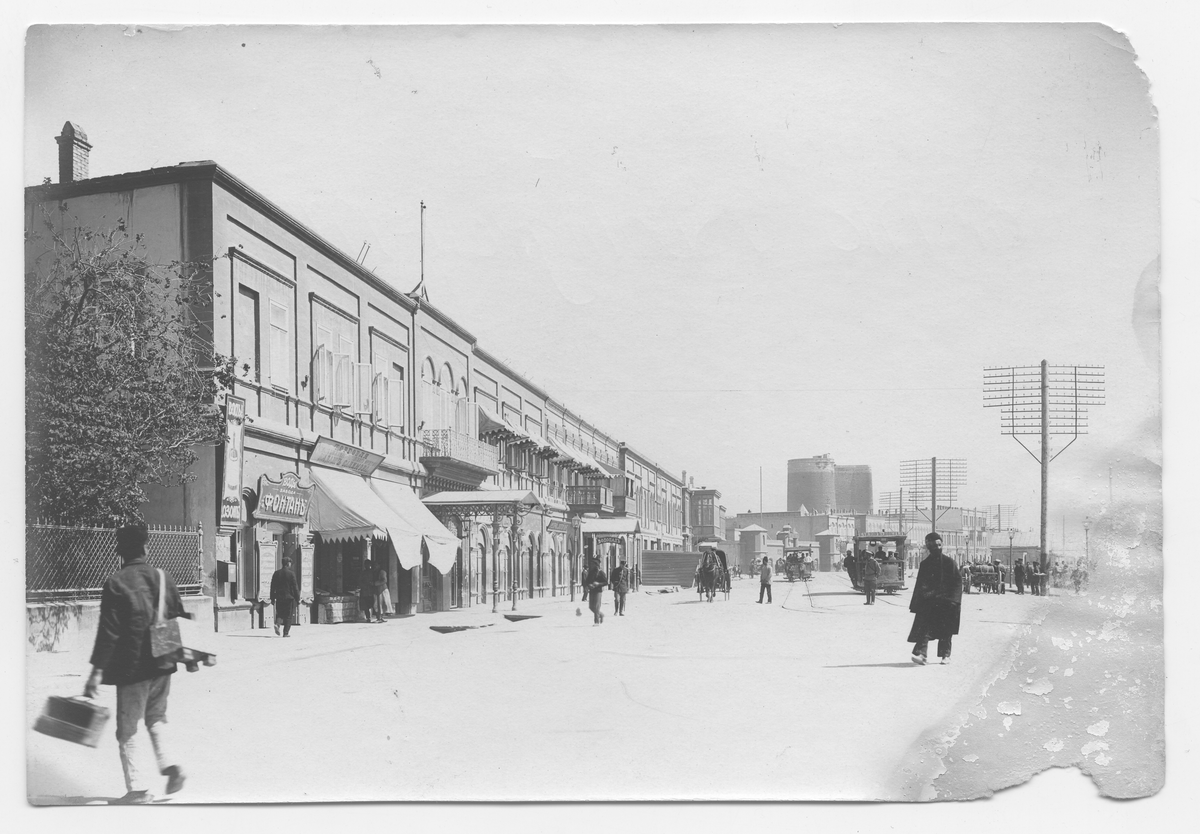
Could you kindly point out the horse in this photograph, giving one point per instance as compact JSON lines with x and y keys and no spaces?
{"x":712,"y":576}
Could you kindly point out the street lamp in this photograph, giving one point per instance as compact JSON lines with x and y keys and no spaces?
{"x":1087,"y":555}
{"x":1011,"y":533}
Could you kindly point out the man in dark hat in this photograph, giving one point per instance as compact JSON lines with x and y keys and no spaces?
{"x":870,"y":576}
{"x":123,"y":657}
{"x":936,"y":602}
{"x":620,"y":586}
{"x":1019,"y":573}
{"x":285,"y":594}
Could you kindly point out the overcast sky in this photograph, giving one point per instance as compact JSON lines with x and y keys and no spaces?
{"x":727,"y":246}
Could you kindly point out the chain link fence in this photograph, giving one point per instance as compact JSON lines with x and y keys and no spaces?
{"x":71,"y":563}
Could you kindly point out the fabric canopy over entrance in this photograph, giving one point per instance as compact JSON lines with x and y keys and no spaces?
{"x":581,"y":459}
{"x":611,"y":470}
{"x":610,"y":526}
{"x":344,"y":507}
{"x":491,"y":425}
{"x":441,"y":543}
{"x":483,"y":498}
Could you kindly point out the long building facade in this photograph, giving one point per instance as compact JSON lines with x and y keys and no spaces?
{"x":364,"y":423}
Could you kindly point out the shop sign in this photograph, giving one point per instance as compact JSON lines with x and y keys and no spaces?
{"x":283,"y":500}
{"x":331,"y":453}
{"x":306,"y":571}
{"x":556,"y":526}
{"x":231,"y":488}
{"x":268,"y":551}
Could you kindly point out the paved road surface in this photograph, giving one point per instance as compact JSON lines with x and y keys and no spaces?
{"x":813,"y":697}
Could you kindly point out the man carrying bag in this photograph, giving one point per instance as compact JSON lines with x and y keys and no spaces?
{"x":136,"y":607}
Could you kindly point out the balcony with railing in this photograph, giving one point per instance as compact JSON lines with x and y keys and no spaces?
{"x":458,"y":457}
{"x":590,"y":499}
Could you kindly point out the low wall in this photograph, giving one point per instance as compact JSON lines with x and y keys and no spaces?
{"x":71,"y":626}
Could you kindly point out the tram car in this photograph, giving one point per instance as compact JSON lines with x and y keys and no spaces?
{"x":891,"y":564}
{"x":799,"y":561}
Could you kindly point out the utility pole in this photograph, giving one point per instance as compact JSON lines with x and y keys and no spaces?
{"x":922,"y":477}
{"x":1045,"y":462}
{"x":1025,"y":396}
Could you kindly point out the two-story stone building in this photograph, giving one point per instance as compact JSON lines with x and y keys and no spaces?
{"x":365,"y":423}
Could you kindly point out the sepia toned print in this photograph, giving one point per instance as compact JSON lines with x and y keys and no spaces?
{"x":750,"y":412}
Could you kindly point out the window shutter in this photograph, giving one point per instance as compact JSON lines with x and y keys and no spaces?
{"x":395,"y":409}
{"x":363,"y":379}
{"x":322,"y":375}
{"x":343,"y":380}
{"x":280,"y":346}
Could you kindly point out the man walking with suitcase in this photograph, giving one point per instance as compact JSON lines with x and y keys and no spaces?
{"x":123,"y":657}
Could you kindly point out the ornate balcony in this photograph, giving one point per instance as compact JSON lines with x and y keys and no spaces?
{"x":590,"y":499}
{"x":458,"y":457}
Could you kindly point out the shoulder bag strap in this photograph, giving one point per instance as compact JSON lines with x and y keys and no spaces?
{"x":162,"y":599}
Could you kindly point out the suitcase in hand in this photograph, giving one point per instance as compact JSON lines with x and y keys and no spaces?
{"x":76,"y":719}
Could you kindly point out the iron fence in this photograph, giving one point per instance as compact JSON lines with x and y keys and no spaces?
{"x":71,"y":563}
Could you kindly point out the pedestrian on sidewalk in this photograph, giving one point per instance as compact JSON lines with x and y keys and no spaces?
{"x":382,"y":602}
{"x":851,"y":566}
{"x":122,"y":657}
{"x":285,"y":595}
{"x":595,"y":582}
{"x":764,"y":581}
{"x":1019,"y":574}
{"x":870,"y":577}
{"x":936,"y":602}
{"x":366,"y":591}
{"x":620,"y":586}
{"x":1034,"y":575}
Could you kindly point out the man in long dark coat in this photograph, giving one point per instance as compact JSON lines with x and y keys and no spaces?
{"x":936,"y":602}
{"x":285,"y":594}
{"x":1019,"y":574}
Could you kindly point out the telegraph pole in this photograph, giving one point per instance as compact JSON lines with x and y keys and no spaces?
{"x":1045,"y":459}
{"x":1043,"y":400}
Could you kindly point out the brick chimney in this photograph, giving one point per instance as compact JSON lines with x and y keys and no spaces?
{"x":73,"y":148}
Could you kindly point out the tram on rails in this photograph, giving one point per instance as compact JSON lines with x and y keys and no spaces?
{"x":891,"y":564}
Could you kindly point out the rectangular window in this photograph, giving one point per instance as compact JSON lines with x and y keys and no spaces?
{"x":334,"y":334}
{"x":246,"y":347}
{"x":275,"y":357}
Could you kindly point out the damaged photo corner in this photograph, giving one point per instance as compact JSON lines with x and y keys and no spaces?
{"x":694,"y":256}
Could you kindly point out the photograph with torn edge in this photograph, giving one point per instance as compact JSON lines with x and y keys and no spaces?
{"x":617,"y":370}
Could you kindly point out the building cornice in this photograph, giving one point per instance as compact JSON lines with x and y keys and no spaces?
{"x":491,"y":358}
{"x":210,"y":171}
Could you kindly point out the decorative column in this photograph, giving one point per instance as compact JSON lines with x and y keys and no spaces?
{"x":514,"y":554}
{"x":495,"y":561}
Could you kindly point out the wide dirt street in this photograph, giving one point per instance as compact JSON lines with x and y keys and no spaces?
{"x":813,"y":697}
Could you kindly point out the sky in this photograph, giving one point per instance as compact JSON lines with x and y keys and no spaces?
{"x":727,"y":246}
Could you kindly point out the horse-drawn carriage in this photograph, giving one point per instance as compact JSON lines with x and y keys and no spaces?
{"x":712,"y":574}
{"x":983,"y":578}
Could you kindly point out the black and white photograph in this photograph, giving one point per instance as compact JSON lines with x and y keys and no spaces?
{"x":720,"y":412}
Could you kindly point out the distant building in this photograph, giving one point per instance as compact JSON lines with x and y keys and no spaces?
{"x":707,"y":516}
{"x":821,"y":485}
